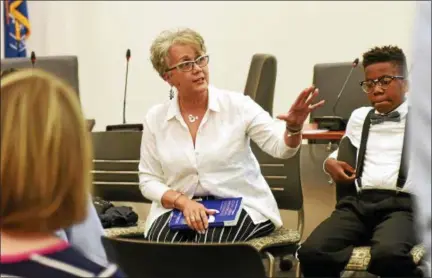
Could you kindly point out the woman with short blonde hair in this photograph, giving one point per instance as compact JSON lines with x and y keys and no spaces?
{"x":162,"y":44}
{"x":45,"y":175}
{"x":197,"y":146}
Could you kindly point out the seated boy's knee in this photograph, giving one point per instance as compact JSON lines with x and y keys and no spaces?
{"x":385,"y":254}
{"x":391,"y":260}
{"x":307,"y":252}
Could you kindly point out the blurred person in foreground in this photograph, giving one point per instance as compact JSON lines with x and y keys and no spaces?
{"x":84,"y":236}
{"x":197,"y":145}
{"x":45,"y":177}
{"x":420,"y":123}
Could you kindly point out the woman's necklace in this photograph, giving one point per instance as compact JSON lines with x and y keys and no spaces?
{"x":192,"y":118}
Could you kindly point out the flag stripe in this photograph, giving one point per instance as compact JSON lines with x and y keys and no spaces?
{"x":17,"y":28}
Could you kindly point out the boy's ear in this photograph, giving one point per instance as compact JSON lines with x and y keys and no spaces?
{"x":405,"y":86}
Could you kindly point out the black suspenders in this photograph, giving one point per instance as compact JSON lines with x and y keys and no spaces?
{"x":362,"y":150}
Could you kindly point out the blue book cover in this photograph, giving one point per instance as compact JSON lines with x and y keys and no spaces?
{"x":227,"y":213}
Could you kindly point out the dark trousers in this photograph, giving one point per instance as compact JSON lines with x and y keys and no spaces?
{"x":379,"y":218}
{"x":243,"y":231}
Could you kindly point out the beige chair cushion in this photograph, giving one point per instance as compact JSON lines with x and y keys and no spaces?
{"x":133,"y":231}
{"x":278,"y":237}
{"x":360,"y":257}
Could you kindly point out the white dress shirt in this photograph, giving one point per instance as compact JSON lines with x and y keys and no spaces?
{"x":383,"y":150}
{"x":221,"y":164}
{"x":420,"y":123}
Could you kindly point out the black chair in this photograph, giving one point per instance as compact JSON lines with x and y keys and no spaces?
{"x":162,"y":260}
{"x":348,"y":153}
{"x":116,"y":159}
{"x":261,"y":80}
{"x":115,"y":174}
{"x":65,"y":67}
{"x":283,"y":177}
{"x":329,"y":78}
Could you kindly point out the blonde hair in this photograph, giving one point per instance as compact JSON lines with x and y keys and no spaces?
{"x":161,"y":45}
{"x":45,"y":154}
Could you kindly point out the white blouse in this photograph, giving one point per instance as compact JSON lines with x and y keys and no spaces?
{"x":221,"y":164}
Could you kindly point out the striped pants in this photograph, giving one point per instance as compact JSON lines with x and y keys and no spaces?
{"x":245,"y":230}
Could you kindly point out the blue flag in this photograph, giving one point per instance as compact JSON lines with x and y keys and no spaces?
{"x":16,"y":28}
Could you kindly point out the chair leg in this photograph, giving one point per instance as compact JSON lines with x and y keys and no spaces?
{"x":271,"y":261}
{"x":285,"y":264}
{"x":298,"y":270}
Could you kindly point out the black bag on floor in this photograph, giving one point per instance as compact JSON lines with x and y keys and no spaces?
{"x":101,"y":205}
{"x":121,"y":216}
{"x":112,"y":216}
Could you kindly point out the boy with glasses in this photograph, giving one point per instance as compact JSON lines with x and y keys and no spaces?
{"x":381,"y":213}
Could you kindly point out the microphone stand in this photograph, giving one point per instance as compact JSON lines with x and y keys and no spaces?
{"x":336,"y":123}
{"x":124,"y":126}
{"x":125,"y":89}
{"x":33,"y":59}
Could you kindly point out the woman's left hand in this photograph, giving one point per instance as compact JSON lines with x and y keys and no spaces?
{"x":301,"y":108}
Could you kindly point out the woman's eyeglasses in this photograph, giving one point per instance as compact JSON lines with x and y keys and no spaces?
{"x":201,"y":61}
{"x":384,"y":81}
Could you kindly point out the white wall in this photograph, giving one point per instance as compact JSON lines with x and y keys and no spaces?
{"x":299,"y":34}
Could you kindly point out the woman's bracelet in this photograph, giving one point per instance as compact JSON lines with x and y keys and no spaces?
{"x":179,"y":194}
{"x":294,"y":131}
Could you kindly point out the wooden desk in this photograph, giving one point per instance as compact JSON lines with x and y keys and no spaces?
{"x":327,"y":135}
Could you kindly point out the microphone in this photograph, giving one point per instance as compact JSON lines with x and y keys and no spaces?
{"x":336,"y":123}
{"x":125,"y":126}
{"x":128,"y":55}
{"x":33,"y":58}
{"x":354,"y":65}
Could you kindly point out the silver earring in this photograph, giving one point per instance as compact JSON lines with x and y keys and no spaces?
{"x":171,"y":93}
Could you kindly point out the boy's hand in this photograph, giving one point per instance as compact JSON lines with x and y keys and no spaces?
{"x":340,"y":171}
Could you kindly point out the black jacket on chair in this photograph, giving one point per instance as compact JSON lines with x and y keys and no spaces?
{"x":112,"y":216}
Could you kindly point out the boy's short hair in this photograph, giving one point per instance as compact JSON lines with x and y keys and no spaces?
{"x":45,"y":154}
{"x":384,"y":54}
